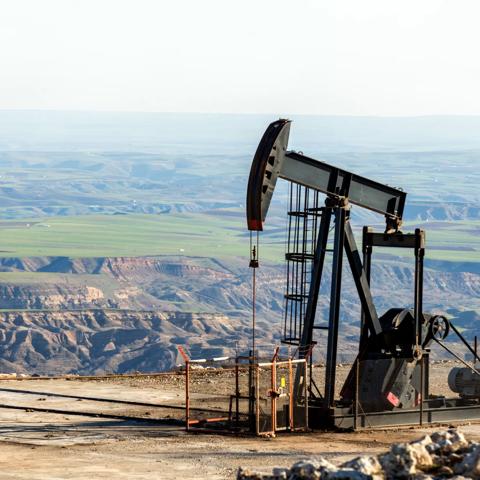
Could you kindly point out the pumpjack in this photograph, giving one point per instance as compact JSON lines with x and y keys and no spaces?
{"x":388,"y":383}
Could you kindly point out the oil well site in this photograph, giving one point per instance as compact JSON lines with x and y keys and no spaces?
{"x":306,"y":399}
{"x":239,"y":240}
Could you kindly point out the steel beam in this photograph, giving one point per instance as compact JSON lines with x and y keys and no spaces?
{"x":334,"y":318}
{"x":362,"y":191}
{"x":361,"y":282}
{"x":367,"y":266}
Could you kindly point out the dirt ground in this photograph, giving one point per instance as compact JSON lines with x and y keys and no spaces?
{"x":40,"y":445}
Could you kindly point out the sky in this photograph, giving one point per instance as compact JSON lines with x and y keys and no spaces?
{"x":323,"y":57}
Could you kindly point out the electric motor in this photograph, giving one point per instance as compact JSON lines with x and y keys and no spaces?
{"x":465,"y":382}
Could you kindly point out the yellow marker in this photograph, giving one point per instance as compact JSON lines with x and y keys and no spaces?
{"x":283,"y":382}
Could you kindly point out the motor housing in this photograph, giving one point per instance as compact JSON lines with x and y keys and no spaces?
{"x":465,"y":382}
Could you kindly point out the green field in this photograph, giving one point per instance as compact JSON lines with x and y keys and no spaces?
{"x":129,"y":235}
{"x":190,"y":234}
{"x":457,"y":241}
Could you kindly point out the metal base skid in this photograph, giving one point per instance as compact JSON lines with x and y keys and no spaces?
{"x":435,"y":411}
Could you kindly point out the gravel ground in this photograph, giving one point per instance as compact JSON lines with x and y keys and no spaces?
{"x":38,"y":445}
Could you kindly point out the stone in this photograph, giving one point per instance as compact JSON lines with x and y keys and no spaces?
{"x":324,"y":464}
{"x":245,"y":474}
{"x":346,"y":474}
{"x":448,"y":441}
{"x":444,"y":471}
{"x":280,"y":473}
{"x":442,"y":455}
{"x":426,"y":441}
{"x":470,"y":465}
{"x":403,"y":460}
{"x":305,"y":469}
{"x":365,"y":464}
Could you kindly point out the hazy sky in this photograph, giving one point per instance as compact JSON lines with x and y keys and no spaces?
{"x":362,"y":57}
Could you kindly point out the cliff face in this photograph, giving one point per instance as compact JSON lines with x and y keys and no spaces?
{"x":64,"y":315}
{"x":50,"y":296}
{"x":49,"y":343}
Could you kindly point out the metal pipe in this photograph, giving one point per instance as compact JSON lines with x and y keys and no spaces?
{"x":460,"y":359}
{"x":273,"y":394}
{"x":251,"y":394}
{"x":305,"y":393}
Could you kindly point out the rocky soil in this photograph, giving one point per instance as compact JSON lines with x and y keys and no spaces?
{"x":100,"y":341}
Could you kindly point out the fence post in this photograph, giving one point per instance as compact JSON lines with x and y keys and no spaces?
{"x":273,"y":394}
{"x":422,"y":388}
{"x":257,"y":400}
{"x":305,"y":393}
{"x":237,"y":394}
{"x":187,"y":395}
{"x":290,"y":395}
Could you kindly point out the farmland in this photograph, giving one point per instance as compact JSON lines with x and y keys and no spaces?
{"x":220,"y":234}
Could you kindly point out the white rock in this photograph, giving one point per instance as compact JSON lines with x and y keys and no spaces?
{"x":426,"y":441}
{"x":448,"y":441}
{"x":403,"y":460}
{"x":306,"y":469}
{"x":367,"y":465}
{"x":325,"y":464}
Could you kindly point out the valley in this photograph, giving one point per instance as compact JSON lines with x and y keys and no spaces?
{"x":123,"y":235}
{"x":125,"y":314}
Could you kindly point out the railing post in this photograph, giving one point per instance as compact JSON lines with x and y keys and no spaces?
{"x":273,"y":394}
{"x":257,"y":399}
{"x":237,"y":394}
{"x":187,"y":395}
{"x":291,"y":423}
{"x":422,"y":388}
{"x":356,"y":401}
{"x":305,"y":393}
